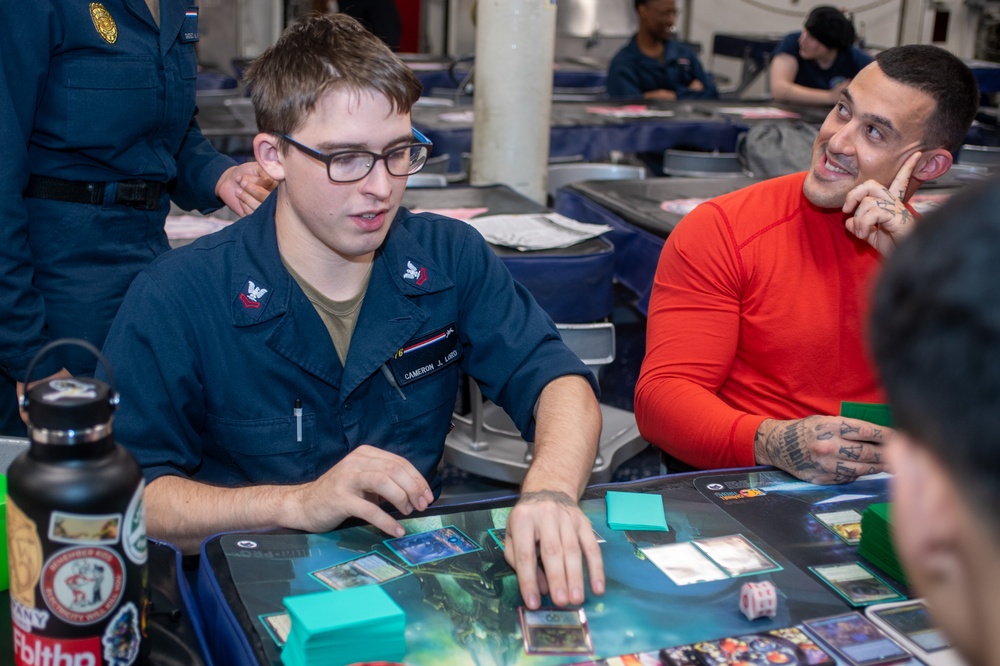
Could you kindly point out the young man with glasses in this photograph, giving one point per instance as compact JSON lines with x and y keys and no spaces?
{"x":300,"y":367}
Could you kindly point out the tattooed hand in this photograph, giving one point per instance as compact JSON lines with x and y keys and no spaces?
{"x":822,"y":449}
{"x":878,"y":213}
{"x":548,"y":538}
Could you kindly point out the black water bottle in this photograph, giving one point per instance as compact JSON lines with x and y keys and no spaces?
{"x":76,"y":531}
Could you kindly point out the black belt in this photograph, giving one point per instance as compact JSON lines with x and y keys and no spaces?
{"x":141,"y":194}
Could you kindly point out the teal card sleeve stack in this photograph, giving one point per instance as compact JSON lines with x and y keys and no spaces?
{"x":343,"y":627}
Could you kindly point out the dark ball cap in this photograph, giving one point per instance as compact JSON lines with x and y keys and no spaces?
{"x":829,"y":25}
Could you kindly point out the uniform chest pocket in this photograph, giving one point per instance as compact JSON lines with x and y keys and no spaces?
{"x":420,"y":423}
{"x":112,"y":99}
{"x":266,"y":450}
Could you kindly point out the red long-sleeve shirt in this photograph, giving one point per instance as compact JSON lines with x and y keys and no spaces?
{"x":757,"y":311}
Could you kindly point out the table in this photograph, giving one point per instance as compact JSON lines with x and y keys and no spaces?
{"x":464,"y":609}
{"x":175,"y":630}
{"x":593,"y":129}
{"x":445,"y":74}
{"x":643,"y":213}
{"x":572,"y":284}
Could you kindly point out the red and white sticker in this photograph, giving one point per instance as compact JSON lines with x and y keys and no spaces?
{"x":83,"y":585}
{"x":33,"y":650}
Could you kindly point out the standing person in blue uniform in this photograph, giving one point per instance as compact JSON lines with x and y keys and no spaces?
{"x":936,"y":340}
{"x":301,"y":367}
{"x":814,"y":65}
{"x":97,"y":106}
{"x":653,"y":65}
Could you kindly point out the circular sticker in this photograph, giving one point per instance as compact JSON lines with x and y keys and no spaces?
{"x":82,"y":585}
{"x":134,"y":530}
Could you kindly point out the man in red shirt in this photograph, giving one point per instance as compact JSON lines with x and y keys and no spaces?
{"x":755,"y":332}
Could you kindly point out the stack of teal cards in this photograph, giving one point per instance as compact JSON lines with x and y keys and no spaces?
{"x":876,"y":540}
{"x":343,"y":627}
{"x":635,"y":511}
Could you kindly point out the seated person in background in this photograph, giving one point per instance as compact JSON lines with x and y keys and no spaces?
{"x":653,"y":65}
{"x":936,"y":340}
{"x":333,"y":300}
{"x":813,"y":66}
{"x":755,"y":330}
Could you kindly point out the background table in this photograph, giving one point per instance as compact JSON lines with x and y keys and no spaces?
{"x":572,"y":284}
{"x":585,"y":129}
{"x":641,"y":219}
{"x":464,"y":609}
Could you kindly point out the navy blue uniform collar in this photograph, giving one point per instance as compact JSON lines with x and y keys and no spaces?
{"x":389,"y":317}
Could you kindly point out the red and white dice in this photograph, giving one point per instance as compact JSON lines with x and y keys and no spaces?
{"x":759,"y":600}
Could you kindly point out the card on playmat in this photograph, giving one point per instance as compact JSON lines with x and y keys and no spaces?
{"x":857,"y":639}
{"x":856,"y":583}
{"x":736,"y":555}
{"x":278,"y":625}
{"x":555,"y":631}
{"x":845,"y":524}
{"x":430,"y":546}
{"x":683,"y":563}
{"x":367,"y":569}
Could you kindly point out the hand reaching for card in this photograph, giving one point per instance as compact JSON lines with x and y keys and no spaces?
{"x":548,"y":537}
{"x":353,"y":488}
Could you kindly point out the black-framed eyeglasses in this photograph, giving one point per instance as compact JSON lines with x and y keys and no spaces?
{"x":349,"y":166}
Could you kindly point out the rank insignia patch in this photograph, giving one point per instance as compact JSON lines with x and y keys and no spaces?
{"x":104,"y":22}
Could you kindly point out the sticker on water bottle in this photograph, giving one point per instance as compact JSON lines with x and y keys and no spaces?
{"x":121,"y":639}
{"x":83,"y":585}
{"x":134,"y":530}
{"x":76,"y":528}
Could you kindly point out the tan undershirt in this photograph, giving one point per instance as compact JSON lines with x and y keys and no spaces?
{"x":154,"y":9}
{"x":339,"y":317}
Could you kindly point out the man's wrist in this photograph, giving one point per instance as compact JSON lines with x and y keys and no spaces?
{"x":764,"y":431}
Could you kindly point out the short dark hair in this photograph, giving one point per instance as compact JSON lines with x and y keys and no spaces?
{"x":830,"y":27}
{"x":935,"y":331}
{"x":946,"y":79}
{"x":318,"y":54}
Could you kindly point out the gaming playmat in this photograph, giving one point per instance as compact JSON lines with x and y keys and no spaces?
{"x":464,"y":609}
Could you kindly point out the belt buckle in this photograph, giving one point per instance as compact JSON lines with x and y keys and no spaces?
{"x":138,"y":194}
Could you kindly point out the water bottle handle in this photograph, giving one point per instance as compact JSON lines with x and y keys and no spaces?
{"x":113,"y":398}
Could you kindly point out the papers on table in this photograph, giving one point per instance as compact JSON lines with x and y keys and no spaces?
{"x":343,"y":627}
{"x":539,"y":231}
{"x":630,"y":111}
{"x":464,"y":214}
{"x":461,"y":117}
{"x":758,"y":112}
